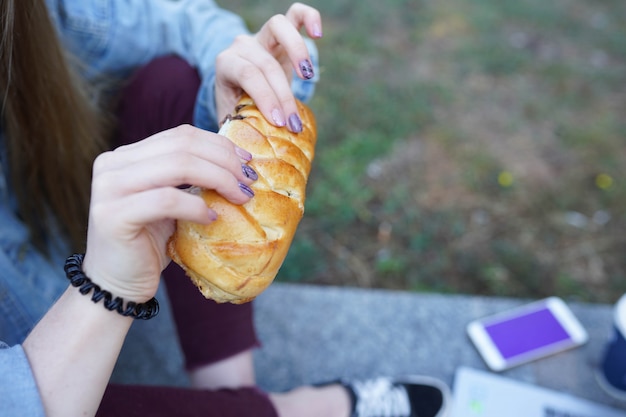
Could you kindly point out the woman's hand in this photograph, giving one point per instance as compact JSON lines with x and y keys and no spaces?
{"x":262,"y":66}
{"x":135,"y":200}
{"x":73,"y":349}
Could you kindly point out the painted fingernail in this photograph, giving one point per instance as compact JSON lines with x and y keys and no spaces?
{"x":278,"y":118}
{"x":295,"y":124}
{"x":317,"y":31}
{"x":249,"y":172}
{"x":246,"y":190}
{"x":243,"y":154}
{"x":212,"y":215}
{"x":306,"y":68}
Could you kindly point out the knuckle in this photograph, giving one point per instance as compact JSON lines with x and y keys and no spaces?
{"x":239,"y":45}
{"x":105,"y":181}
{"x":277,"y":20}
{"x":242,"y":39}
{"x":222,"y":58}
{"x":226,"y":55}
{"x":102,"y":162}
{"x":185,"y":131}
{"x":185,"y":136}
{"x":296,"y":8}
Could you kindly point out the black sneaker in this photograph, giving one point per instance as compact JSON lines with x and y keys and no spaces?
{"x":412,"y":396}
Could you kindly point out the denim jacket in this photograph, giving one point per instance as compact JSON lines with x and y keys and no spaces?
{"x":110,"y":37}
{"x":114,"y":37}
{"x":18,"y":392}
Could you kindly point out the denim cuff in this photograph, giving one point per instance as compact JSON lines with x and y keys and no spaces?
{"x":18,"y":389}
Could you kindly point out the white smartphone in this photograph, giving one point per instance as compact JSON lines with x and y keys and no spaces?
{"x":526,"y":333}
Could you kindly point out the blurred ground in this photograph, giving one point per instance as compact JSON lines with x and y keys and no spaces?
{"x":311,"y":334}
{"x":467,"y":147}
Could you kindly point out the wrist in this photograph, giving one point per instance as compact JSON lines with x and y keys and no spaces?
{"x":119,"y":277}
{"x":138,"y":310}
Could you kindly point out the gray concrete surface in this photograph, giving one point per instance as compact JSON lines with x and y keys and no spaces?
{"x":313,"y":334}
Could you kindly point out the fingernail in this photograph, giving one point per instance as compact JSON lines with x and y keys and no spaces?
{"x":243,"y":154}
{"x":277,"y":117}
{"x":306,"y":68}
{"x":212,"y":215}
{"x":246,"y":190}
{"x":249,"y":172}
{"x":317,"y":31}
{"x":295,"y":124}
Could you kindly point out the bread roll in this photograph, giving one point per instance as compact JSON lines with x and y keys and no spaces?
{"x":238,"y":256}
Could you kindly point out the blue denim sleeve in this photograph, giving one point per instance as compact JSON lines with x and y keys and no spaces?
{"x":18,"y":391}
{"x":116,"y":36}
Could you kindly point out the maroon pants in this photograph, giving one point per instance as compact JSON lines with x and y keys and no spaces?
{"x":160,"y":96}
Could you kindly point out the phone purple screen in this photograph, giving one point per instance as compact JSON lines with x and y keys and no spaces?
{"x":519,"y":335}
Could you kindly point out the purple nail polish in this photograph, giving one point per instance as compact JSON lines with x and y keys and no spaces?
{"x":306,"y":68}
{"x":249,"y":172}
{"x":295,"y":124}
{"x":246,"y":190}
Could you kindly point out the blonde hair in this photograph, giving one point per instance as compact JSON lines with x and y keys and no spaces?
{"x":53,"y":130}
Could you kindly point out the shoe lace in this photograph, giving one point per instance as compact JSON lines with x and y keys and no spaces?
{"x":380,"y":398}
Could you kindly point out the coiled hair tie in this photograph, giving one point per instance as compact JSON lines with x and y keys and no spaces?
{"x":138,"y":311}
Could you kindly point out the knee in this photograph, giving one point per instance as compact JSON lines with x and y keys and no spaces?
{"x":158,"y":96}
{"x":236,"y":371}
{"x":166,"y":76}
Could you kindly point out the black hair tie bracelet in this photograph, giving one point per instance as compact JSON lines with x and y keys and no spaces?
{"x":139,"y":311}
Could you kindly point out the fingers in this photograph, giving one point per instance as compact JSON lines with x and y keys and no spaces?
{"x":171,"y":171}
{"x":183,"y":155}
{"x":262,"y":65}
{"x":302,"y":15}
{"x":282,"y":32}
{"x":281,"y":35}
{"x":152,"y":206}
{"x":197,"y":141}
{"x":257,"y":72}
{"x":135,"y":199}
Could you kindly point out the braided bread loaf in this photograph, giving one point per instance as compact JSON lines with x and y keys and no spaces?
{"x":237,"y":256}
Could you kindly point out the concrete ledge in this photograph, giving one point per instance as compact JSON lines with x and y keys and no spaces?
{"x":313,"y":334}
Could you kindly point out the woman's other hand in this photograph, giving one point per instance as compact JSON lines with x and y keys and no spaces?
{"x":262,"y":65}
{"x":135,"y":200}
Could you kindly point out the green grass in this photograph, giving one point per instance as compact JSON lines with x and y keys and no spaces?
{"x":457,"y":141}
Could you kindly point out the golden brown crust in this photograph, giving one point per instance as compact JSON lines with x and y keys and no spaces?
{"x":238,"y":256}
